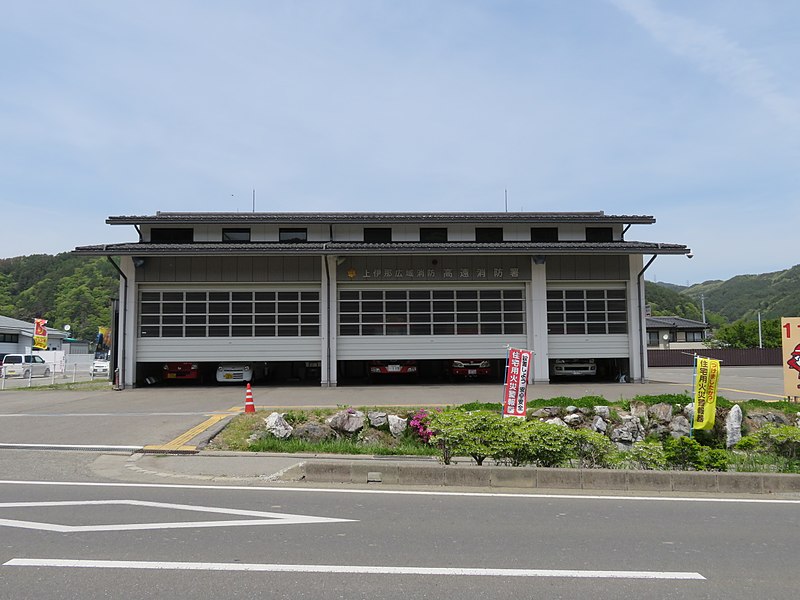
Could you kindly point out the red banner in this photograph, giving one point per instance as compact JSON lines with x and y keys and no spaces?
{"x":40,"y":334}
{"x":519,"y":368}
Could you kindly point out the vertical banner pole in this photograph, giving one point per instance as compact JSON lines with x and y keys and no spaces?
{"x":694,"y":396}
{"x":505,"y":380}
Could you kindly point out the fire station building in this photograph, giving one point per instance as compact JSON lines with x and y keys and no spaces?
{"x":327,"y":294}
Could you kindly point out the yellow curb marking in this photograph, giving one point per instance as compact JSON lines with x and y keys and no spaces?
{"x":178,"y":443}
{"x":728,"y":390}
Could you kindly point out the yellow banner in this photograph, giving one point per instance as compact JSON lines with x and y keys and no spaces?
{"x":40,"y":334}
{"x":705,"y":392}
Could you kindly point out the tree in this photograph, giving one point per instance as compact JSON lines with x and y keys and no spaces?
{"x":744,"y":334}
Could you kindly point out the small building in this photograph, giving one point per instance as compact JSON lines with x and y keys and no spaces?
{"x":675,"y":333}
{"x":16,"y":337}
{"x":324,"y":296}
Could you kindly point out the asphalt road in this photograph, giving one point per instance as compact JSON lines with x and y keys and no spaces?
{"x":160,"y":542}
{"x":127,"y":535}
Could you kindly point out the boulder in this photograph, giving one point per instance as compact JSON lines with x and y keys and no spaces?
{"x":639,"y":410}
{"x":661,"y":412}
{"x":574,"y":420}
{"x":602,"y":411}
{"x":679,"y":426}
{"x":629,"y":432}
{"x":571,"y":409}
{"x":688,"y":411}
{"x":347,"y":422}
{"x":397,"y":425}
{"x":277,"y":426}
{"x":377,"y":419}
{"x":376,"y":437}
{"x":546,"y":412}
{"x":599,"y":425}
{"x":556,"y":421}
{"x":314,"y":432}
{"x":733,"y":426}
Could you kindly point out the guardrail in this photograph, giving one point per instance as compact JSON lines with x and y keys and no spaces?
{"x":58,"y":374}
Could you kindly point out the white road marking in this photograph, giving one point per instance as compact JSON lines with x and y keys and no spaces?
{"x":348,"y":569}
{"x":242,"y":488}
{"x":72,"y":447}
{"x":263,"y":518}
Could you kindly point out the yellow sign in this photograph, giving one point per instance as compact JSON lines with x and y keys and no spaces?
{"x":39,"y":334}
{"x":790,"y":337}
{"x":705,"y":392}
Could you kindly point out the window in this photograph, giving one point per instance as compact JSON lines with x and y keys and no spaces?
{"x":544,"y":234}
{"x":586,"y":312}
{"x":433,"y":234}
{"x":599,"y":234}
{"x":488,"y":234}
{"x":377,"y":235}
{"x":163,"y":235}
{"x":282,"y":313}
{"x":9,"y":338}
{"x":293,"y":234}
{"x":431,"y":312}
{"x":694,"y":336}
{"x":652,"y":338}
{"x":235,"y":235}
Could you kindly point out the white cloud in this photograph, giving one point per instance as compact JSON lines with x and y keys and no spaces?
{"x":710,"y":49}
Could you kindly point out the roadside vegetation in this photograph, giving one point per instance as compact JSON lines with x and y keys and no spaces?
{"x":479,"y":432}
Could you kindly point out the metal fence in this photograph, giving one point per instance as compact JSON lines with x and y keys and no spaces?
{"x":731,"y":357}
{"x":59,"y":373}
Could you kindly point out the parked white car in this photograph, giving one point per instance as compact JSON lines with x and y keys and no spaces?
{"x":240,"y":372}
{"x":25,"y":365}
{"x":100,"y":367}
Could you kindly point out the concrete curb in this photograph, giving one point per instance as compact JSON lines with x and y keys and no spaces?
{"x":426,"y":474}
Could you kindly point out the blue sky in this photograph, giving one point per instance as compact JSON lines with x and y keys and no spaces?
{"x":683,"y":109}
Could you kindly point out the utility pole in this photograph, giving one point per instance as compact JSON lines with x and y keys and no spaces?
{"x":759,"y":330}
{"x":703,"y":306}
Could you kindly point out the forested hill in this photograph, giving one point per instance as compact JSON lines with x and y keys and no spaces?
{"x":744,"y":296}
{"x":64,"y":289}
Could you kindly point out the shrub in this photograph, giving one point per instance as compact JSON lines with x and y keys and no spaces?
{"x":783,"y":440}
{"x":592,"y":449}
{"x":712,"y":459}
{"x":418,"y":423}
{"x":474,"y":434}
{"x":647,"y":455}
{"x":547,"y":445}
{"x":683,"y":453}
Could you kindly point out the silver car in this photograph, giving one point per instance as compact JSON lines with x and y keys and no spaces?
{"x":25,"y":365}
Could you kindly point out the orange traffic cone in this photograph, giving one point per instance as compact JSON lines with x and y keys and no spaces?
{"x":249,"y":407}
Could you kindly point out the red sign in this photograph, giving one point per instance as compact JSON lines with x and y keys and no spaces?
{"x":518,"y":372}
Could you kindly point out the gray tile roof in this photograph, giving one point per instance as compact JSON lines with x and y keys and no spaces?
{"x":9,"y":324}
{"x":320,"y":248}
{"x":674,"y":323}
{"x":377,"y":217}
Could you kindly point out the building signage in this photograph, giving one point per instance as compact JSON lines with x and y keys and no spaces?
{"x":519,"y":369}
{"x":790,"y":342}
{"x":406,"y":269}
{"x":705,"y":392}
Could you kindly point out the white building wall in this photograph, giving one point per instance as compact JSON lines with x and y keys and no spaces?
{"x":417,"y":347}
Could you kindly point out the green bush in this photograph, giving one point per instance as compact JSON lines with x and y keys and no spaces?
{"x":714,"y":459}
{"x":783,"y":440}
{"x":683,"y":453}
{"x":547,"y":445}
{"x":647,"y":455}
{"x":593,"y":450}
{"x":458,"y":433}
